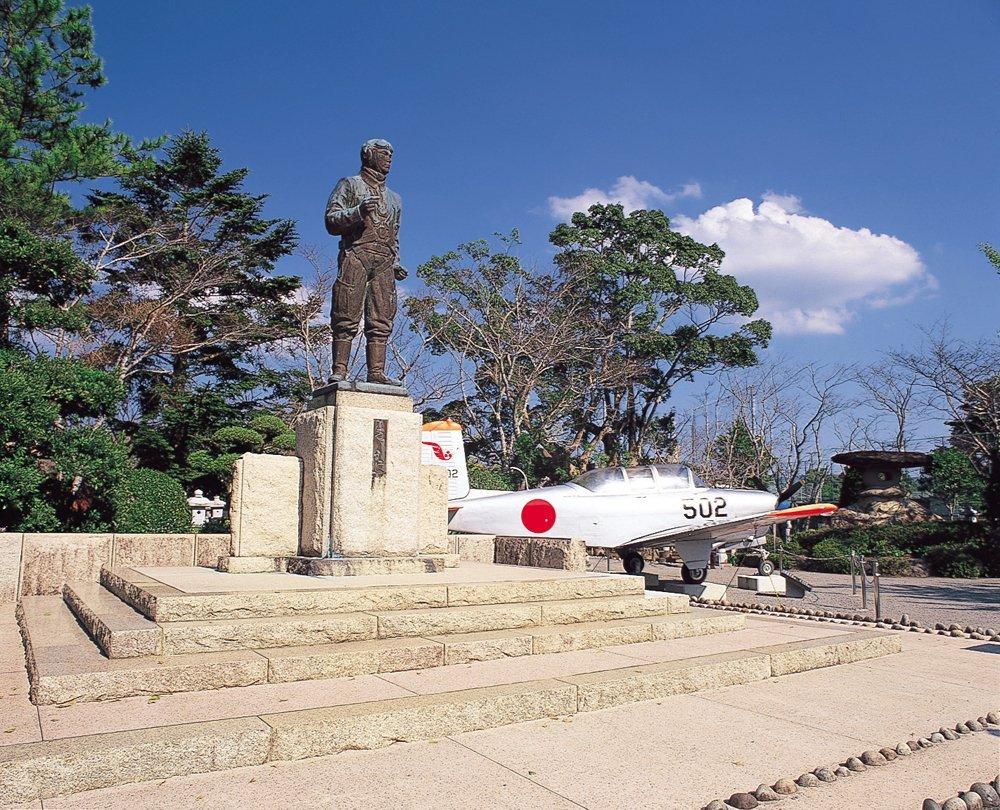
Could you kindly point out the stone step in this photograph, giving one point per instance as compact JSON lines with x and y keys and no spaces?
{"x":281,"y":631}
{"x":42,"y":770}
{"x":114,"y":626}
{"x":369,"y":566}
{"x":251,"y":565}
{"x":479,"y":618}
{"x":65,"y":666}
{"x":333,"y":628}
{"x":68,"y":667}
{"x":162,"y":603}
{"x":409,"y":653}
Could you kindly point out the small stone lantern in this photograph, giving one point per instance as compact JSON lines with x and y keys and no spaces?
{"x":216,"y":508}
{"x":200,"y":508}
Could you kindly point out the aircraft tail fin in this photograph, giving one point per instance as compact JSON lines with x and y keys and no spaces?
{"x":441,"y":445}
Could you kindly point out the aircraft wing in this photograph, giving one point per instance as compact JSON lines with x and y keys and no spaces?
{"x":722,"y":531}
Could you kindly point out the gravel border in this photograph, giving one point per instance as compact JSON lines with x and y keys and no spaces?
{"x":986,"y":795}
{"x":903,"y":623}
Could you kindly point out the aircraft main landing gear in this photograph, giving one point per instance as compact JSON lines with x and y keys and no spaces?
{"x":633,"y":563}
{"x":765,"y":567}
{"x":693,"y":576}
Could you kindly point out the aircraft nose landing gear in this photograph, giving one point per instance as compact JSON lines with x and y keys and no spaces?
{"x":693,"y":576}
{"x":765,"y":566}
{"x":633,"y":563}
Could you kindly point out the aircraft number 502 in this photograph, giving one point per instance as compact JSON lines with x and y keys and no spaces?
{"x":704,"y":507}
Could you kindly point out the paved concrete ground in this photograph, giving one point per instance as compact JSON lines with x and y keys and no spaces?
{"x":927,"y":600}
{"x":676,"y":752}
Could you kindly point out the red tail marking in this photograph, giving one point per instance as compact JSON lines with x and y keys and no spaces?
{"x":439,"y":452}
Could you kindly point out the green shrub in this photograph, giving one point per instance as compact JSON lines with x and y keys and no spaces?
{"x":238,"y":439}
{"x":150,"y":501}
{"x":892,"y":538}
{"x":268,"y":425}
{"x":956,"y":546}
{"x":481,"y":477}
{"x":834,"y":551}
{"x":215,"y":526}
{"x":956,"y":560}
{"x":284,"y":441}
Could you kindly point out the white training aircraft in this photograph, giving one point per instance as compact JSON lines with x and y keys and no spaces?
{"x":625,"y":509}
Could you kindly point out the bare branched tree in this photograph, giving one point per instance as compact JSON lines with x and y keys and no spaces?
{"x":428,"y":378}
{"x":959,"y":381}
{"x":766,"y":424}
{"x":309,"y":348}
{"x":889,"y":405}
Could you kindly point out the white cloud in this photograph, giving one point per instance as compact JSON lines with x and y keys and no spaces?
{"x":791,"y":203}
{"x":628,"y":191}
{"x":811,"y":276}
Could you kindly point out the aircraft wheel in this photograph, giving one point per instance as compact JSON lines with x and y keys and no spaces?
{"x":633,"y":563}
{"x":693,"y":576}
{"x":765,"y":568}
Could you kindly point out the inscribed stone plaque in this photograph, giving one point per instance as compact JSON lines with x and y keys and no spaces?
{"x":380,"y":441}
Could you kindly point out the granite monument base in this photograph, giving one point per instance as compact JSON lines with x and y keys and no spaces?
{"x":364,"y":490}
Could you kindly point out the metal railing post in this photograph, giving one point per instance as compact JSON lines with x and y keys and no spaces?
{"x":854,"y":573}
{"x":878,"y":595}
{"x":864,"y":584}
{"x":779,"y":540}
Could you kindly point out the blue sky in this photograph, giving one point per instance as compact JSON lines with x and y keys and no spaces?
{"x":872,"y":126}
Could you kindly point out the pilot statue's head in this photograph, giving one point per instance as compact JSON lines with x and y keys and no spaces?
{"x":376,"y":155}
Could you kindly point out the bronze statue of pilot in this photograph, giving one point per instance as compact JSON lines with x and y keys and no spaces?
{"x":365,"y":213}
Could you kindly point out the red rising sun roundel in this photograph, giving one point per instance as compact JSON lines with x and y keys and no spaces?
{"x":538,"y":516}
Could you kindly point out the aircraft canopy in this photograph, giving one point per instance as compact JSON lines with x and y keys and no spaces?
{"x":651,"y":478}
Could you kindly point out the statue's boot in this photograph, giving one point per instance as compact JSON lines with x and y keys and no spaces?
{"x":341,"y":357}
{"x":376,"y":365}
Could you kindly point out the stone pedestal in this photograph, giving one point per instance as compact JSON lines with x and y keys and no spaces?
{"x":264,"y":505}
{"x":361,"y":487}
{"x":541,"y":552}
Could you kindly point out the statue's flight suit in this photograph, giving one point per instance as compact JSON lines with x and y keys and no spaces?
{"x":368,"y":266}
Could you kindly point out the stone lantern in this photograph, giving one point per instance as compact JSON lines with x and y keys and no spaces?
{"x":200,"y":507}
{"x":216,"y":508}
{"x":881,"y":498}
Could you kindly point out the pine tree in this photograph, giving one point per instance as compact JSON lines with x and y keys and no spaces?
{"x":47,"y":63}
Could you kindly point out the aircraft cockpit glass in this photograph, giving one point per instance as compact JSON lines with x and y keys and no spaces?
{"x":673,"y":476}
{"x":606,"y":480}
{"x":640,"y":479}
{"x":615,"y":480}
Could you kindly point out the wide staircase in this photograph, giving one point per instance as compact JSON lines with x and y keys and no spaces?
{"x":132,"y":635}
{"x":135,"y":634}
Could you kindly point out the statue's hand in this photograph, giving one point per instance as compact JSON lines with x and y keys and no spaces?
{"x":368,"y":205}
{"x":399,"y":272}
